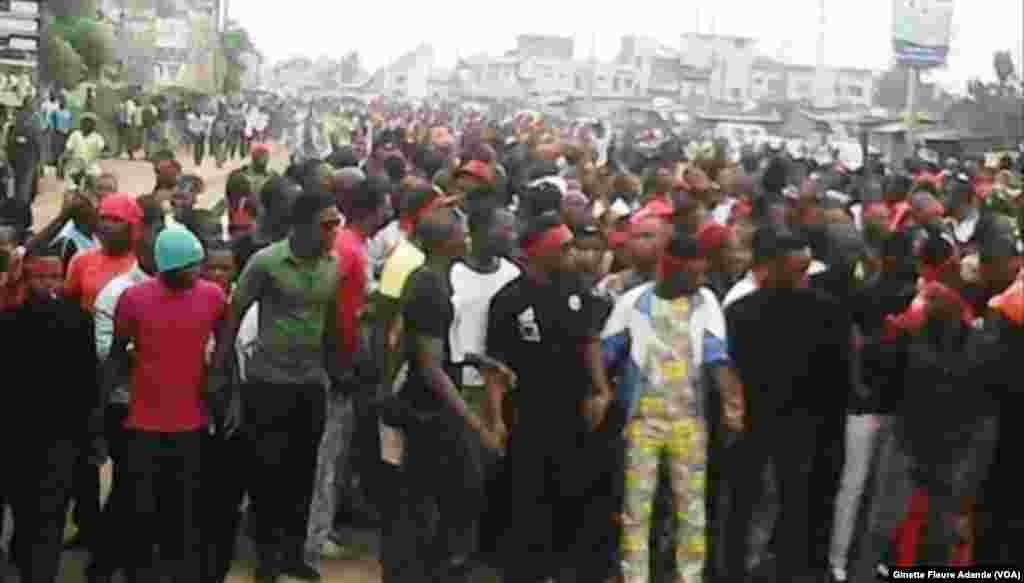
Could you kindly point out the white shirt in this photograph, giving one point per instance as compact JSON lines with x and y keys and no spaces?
{"x":742,"y":289}
{"x":105,"y":307}
{"x":379,"y":247}
{"x":471,"y":299}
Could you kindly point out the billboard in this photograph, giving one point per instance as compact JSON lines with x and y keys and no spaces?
{"x":166,"y":42}
{"x":921,"y":31}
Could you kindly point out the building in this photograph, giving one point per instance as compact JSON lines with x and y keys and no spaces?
{"x":730,"y":60}
{"x":406,"y":77}
{"x":165,"y":42}
{"x":843,"y":87}
{"x":440,"y":83}
{"x":549,"y":77}
{"x":548,"y":47}
{"x":657,"y":66}
{"x":485,"y":76}
{"x":768,"y":81}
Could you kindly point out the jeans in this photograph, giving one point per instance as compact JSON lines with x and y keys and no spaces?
{"x":862,"y":432}
{"x":891,"y":492}
{"x":164,"y":472}
{"x":282,"y":429}
{"x":791,"y":447}
{"x":38,"y":496}
{"x":332,"y":462}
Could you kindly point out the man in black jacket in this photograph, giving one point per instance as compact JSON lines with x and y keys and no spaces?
{"x":48,"y":419}
{"x":796,"y":390}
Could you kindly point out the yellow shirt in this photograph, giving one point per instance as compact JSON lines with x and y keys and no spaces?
{"x":402,"y":262}
{"x":87,"y":149}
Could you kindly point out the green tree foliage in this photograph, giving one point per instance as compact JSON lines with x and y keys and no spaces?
{"x":90,"y":39}
{"x":236,"y":43}
{"x":1002,"y":62}
{"x":63,"y":64}
{"x":94,"y":42}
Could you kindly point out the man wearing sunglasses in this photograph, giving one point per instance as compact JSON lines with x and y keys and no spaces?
{"x":295,"y":282}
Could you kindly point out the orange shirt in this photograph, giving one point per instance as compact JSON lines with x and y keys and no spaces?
{"x":90,"y":271}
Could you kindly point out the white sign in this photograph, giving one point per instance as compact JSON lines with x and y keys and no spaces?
{"x":30,"y":8}
{"x":921,"y":30}
{"x":23,"y":44}
{"x":18,"y":25}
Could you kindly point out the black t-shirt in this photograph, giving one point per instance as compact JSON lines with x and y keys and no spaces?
{"x":245,"y":247}
{"x":792,"y":350}
{"x":539,"y":331}
{"x":426,"y":310}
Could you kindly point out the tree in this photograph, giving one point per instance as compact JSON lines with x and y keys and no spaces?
{"x":236,"y":43}
{"x":94,"y":43}
{"x":63,"y":65}
{"x":72,"y":9}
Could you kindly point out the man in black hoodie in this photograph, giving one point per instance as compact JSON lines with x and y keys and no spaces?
{"x":48,"y":420}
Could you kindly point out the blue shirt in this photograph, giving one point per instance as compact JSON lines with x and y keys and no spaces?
{"x":60,"y":120}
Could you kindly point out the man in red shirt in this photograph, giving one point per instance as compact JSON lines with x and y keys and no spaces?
{"x":90,"y":271}
{"x":170,"y":321}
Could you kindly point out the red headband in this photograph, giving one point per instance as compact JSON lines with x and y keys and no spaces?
{"x":550,"y":241}
{"x":669,"y":265}
{"x":43,"y":266}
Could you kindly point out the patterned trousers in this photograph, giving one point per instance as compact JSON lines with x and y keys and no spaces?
{"x":653,"y":439}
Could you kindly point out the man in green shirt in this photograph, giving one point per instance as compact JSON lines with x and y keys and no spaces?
{"x":295,"y":282}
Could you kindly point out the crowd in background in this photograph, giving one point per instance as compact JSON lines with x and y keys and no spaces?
{"x":559,"y":354}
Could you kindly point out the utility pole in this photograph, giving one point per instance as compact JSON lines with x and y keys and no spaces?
{"x":912,"y":76}
{"x":819,"y":74}
{"x":593,"y":73}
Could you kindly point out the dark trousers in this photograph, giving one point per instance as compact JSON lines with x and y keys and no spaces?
{"x":164,"y":472}
{"x":440,"y":500}
{"x":223,"y":492}
{"x":365,"y":460}
{"x":283,"y":425}
{"x":24,"y":178}
{"x":543,"y":498}
{"x":198,"y":149}
{"x":114,"y":521}
{"x":39,"y":485}
{"x":792,"y":446}
{"x":86,"y":493}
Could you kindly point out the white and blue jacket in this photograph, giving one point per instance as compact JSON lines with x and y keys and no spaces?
{"x":628,"y":335}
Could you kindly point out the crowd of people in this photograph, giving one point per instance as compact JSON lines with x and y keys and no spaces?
{"x":507,"y":345}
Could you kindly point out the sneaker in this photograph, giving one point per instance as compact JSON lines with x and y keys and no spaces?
{"x":837,"y":575}
{"x":299,"y":573}
{"x":882,"y":571}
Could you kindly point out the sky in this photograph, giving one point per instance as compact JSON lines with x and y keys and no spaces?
{"x":858,"y":32}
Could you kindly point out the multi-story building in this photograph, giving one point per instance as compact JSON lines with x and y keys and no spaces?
{"x":768,"y":81}
{"x":548,"y":47}
{"x":657,"y":66}
{"x":408,"y":76}
{"x":842,"y":87}
{"x":730,"y":60}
